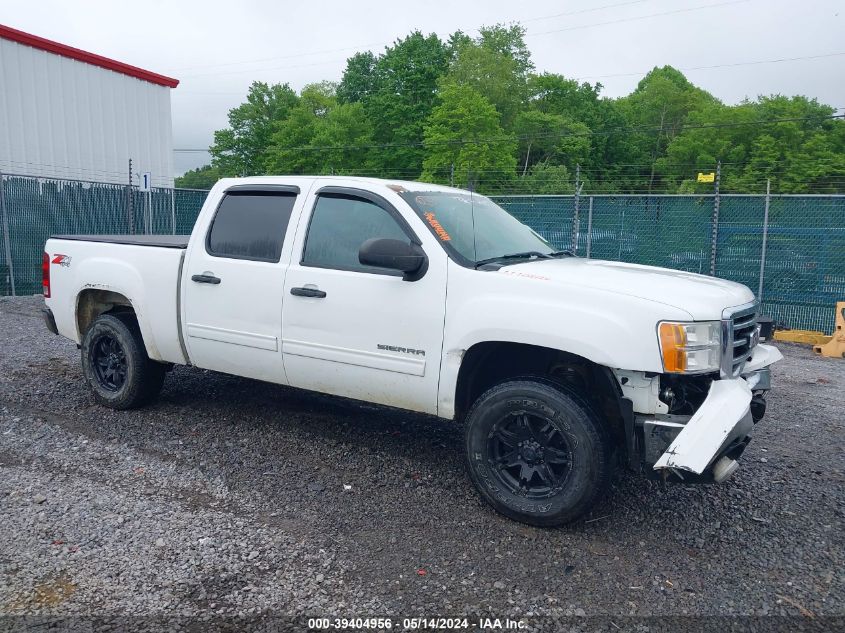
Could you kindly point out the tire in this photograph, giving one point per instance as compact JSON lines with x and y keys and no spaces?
{"x":536,"y":452}
{"x":116,"y":365}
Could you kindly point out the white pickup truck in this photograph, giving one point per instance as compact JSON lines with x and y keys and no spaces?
{"x":431,"y":299}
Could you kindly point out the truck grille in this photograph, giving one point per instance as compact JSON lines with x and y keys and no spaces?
{"x":739,"y":337}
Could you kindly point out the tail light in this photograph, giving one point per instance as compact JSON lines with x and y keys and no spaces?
{"x":45,"y":275}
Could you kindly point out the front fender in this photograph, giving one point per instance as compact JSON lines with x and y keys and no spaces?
{"x":621,"y":337}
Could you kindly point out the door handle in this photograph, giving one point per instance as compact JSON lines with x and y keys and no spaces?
{"x":205,"y":279}
{"x":308,"y":292}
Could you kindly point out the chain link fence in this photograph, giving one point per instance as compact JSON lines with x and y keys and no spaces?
{"x":790,"y":250}
{"x":33,"y":209}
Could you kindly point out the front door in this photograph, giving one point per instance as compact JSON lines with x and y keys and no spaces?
{"x":355,"y":330}
{"x":233,"y":289}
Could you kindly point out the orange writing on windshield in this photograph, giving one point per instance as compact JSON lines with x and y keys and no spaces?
{"x":438,"y":228}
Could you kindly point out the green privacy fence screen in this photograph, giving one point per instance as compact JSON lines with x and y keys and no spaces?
{"x":804,"y":271}
{"x":803,"y":276}
{"x":35,"y":208}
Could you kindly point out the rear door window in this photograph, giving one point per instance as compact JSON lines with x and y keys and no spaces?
{"x":251,"y":225}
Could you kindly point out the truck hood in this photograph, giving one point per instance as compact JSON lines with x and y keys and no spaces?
{"x":702,"y":297}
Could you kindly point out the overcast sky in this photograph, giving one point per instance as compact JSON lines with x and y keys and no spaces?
{"x":217,"y":48}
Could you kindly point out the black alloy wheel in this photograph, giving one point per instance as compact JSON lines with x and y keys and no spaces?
{"x":109,"y":362}
{"x":537,"y":451}
{"x":529,"y":454}
{"x":116,"y":365}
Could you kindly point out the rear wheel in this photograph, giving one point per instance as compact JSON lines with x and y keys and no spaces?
{"x":537,"y":453}
{"x":116,"y":365}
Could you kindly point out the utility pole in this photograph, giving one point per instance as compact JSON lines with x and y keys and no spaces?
{"x":452,"y":175}
{"x":714,"y":239}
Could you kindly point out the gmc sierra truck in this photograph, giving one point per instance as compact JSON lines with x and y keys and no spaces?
{"x":431,"y":299}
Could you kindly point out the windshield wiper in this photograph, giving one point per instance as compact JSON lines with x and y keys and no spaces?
{"x":562,"y":254}
{"x":524,"y":255}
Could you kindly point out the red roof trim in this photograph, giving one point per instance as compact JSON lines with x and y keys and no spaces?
{"x":44,"y":44}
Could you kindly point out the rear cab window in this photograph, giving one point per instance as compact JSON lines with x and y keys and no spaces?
{"x":251,"y":224}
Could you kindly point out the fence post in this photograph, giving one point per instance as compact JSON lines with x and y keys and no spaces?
{"x":149,"y":223}
{"x":173,"y":211}
{"x":130,"y":211}
{"x":765,"y":238}
{"x":590,"y":227}
{"x":577,"y":208}
{"x":714,"y":239}
{"x":6,"y":241}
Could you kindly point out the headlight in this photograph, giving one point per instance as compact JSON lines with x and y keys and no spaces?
{"x":690,"y":348}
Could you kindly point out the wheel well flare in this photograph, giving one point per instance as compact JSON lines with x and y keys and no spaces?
{"x":92,"y":302}
{"x":490,"y":363}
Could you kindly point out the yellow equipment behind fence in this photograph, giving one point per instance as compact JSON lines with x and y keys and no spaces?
{"x":807,"y":337}
{"x":835,"y":347}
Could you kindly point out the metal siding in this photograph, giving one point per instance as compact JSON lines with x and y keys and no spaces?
{"x":63,"y":118}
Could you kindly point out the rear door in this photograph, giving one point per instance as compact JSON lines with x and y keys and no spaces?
{"x":355,"y":330}
{"x":234,"y":283}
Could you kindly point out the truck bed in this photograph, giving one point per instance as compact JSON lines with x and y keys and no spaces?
{"x":161,"y":241}
{"x":144,"y":269}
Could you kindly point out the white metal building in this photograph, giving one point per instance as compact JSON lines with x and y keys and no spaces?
{"x":67,"y":113}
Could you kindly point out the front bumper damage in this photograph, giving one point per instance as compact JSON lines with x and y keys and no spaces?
{"x":723,"y":420}
{"x":705,"y":445}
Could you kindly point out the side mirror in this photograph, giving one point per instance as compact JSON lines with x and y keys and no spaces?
{"x":395,"y":255}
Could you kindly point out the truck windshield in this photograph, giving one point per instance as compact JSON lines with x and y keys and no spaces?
{"x":476,"y":229}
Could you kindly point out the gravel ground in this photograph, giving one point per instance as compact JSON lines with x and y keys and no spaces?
{"x":233,"y":497}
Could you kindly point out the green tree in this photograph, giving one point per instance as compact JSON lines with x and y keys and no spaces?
{"x":790,"y":140}
{"x":239,"y":149}
{"x":545,"y":179}
{"x":291,"y":151}
{"x":508,"y":41}
{"x":465,"y":143}
{"x":346,"y":134}
{"x":656,"y":113}
{"x":550,"y":138}
{"x":582,"y":102}
{"x":496,"y":65}
{"x":713,"y":133}
{"x":403,"y":94}
{"x":322,"y":136}
{"x":380,"y":119}
{"x":358,"y":80}
{"x":555,"y":94}
{"x":199,"y":178}
{"x":818,"y":166}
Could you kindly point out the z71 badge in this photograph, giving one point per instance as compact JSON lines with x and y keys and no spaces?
{"x":61,"y":260}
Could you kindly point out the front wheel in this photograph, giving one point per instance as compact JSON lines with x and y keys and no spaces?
{"x":116,"y":365}
{"x":537,"y":453}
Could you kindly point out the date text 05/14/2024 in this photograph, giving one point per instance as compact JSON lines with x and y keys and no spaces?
{"x":415,"y":624}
